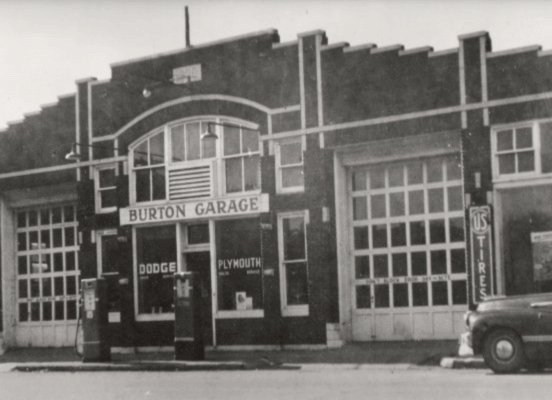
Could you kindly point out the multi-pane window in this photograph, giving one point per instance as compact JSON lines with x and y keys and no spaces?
{"x":408,"y":234}
{"x":105,"y":188}
{"x":241,"y":159}
{"x":187,"y":144}
{"x":522,"y":150}
{"x":293,"y":263}
{"x":289,"y":165}
{"x":47,"y":264}
{"x":149,"y":168}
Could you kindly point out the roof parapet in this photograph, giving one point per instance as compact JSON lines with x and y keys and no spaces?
{"x":338,"y":45}
{"x":394,"y":47}
{"x":270,"y":31}
{"x":545,"y":53}
{"x":284,"y":44}
{"x":518,"y":50}
{"x":473,"y":35}
{"x":445,"y":52}
{"x":311,"y":33}
{"x":360,"y":47}
{"x":32,"y":114}
{"x":415,"y":50}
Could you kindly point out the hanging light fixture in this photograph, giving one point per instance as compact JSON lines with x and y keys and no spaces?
{"x":73,"y":155}
{"x":209,"y":134}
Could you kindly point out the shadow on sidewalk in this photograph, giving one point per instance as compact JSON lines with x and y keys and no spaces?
{"x":404,"y":352}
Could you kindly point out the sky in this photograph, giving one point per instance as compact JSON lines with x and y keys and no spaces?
{"x":46,"y":45}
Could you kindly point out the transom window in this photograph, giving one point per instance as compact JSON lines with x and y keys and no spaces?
{"x":525,"y":149}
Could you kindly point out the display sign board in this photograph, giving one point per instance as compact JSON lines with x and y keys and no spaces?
{"x":481,"y":252}
{"x":542,"y":255}
{"x":227,"y":206}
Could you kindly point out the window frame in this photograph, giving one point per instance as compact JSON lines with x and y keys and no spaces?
{"x":241,"y":156}
{"x":287,"y":310}
{"x":279,"y":167}
{"x":141,"y":317}
{"x":218,"y":160}
{"x":133,"y":168}
{"x":535,"y":126}
{"x":98,"y":189}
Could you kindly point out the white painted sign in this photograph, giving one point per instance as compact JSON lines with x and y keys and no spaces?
{"x":229,"y":206}
{"x":186,"y":74}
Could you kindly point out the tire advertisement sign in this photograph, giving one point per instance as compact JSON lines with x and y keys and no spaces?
{"x":481,"y":253}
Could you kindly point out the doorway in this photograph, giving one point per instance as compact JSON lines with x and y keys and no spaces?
{"x":200,"y":262}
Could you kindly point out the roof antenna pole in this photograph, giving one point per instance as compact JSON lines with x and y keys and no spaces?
{"x":187,"y":23}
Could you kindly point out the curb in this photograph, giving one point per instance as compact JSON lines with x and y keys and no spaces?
{"x":463,"y":362}
{"x":145,"y":366}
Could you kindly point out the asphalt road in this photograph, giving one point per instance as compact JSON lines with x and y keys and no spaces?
{"x":311,"y":382}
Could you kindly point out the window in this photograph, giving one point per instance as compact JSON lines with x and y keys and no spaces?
{"x":187,"y":144}
{"x":523,"y":150}
{"x":292,"y":246}
{"x":289,"y":165}
{"x":105,"y":188}
{"x":174,"y":163}
{"x":149,"y":169}
{"x":241,"y":159}
{"x":239,"y":267}
{"x":155,"y":250}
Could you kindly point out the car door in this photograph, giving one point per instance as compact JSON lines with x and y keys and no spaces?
{"x":543,"y":307}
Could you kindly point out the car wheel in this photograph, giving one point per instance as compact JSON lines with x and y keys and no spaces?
{"x":503,"y":351}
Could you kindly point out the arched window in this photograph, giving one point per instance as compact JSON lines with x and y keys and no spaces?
{"x":174,"y":163}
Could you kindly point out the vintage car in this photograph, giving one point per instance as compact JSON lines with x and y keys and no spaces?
{"x":512,"y":332}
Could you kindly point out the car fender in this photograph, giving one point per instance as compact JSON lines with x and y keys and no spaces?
{"x":520,"y":321}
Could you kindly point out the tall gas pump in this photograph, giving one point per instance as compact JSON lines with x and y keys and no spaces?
{"x":94,"y":320}
{"x":188,"y":334}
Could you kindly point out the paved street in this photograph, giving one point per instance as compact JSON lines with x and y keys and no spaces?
{"x":311,"y":382}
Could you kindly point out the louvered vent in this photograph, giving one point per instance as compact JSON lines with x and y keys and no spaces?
{"x":190,"y":182}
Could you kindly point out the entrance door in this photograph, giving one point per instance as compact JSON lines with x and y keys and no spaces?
{"x":200,"y":262}
{"x":408,"y":246}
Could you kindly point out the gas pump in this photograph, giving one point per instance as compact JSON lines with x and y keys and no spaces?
{"x":188,"y":335}
{"x":94,"y":320}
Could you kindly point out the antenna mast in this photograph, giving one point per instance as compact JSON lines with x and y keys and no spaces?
{"x":187,"y":27}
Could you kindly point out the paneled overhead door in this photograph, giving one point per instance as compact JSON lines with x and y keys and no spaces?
{"x":407,"y":238}
{"x":47,"y":276}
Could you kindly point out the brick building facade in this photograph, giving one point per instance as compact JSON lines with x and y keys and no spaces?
{"x":333,"y":204}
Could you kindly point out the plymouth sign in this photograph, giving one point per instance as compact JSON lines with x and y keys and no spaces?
{"x":230,"y":206}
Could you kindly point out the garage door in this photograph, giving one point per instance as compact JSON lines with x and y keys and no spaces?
{"x":408,"y":245}
{"x":47,"y":276}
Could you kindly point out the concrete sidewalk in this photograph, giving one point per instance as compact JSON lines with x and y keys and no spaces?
{"x":407,"y":353}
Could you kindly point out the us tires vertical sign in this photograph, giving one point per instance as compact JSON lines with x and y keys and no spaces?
{"x":481,"y":252}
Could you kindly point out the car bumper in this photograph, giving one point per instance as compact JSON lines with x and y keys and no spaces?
{"x":465,"y":344}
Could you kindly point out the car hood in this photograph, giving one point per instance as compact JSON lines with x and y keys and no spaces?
{"x":513,"y":302}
